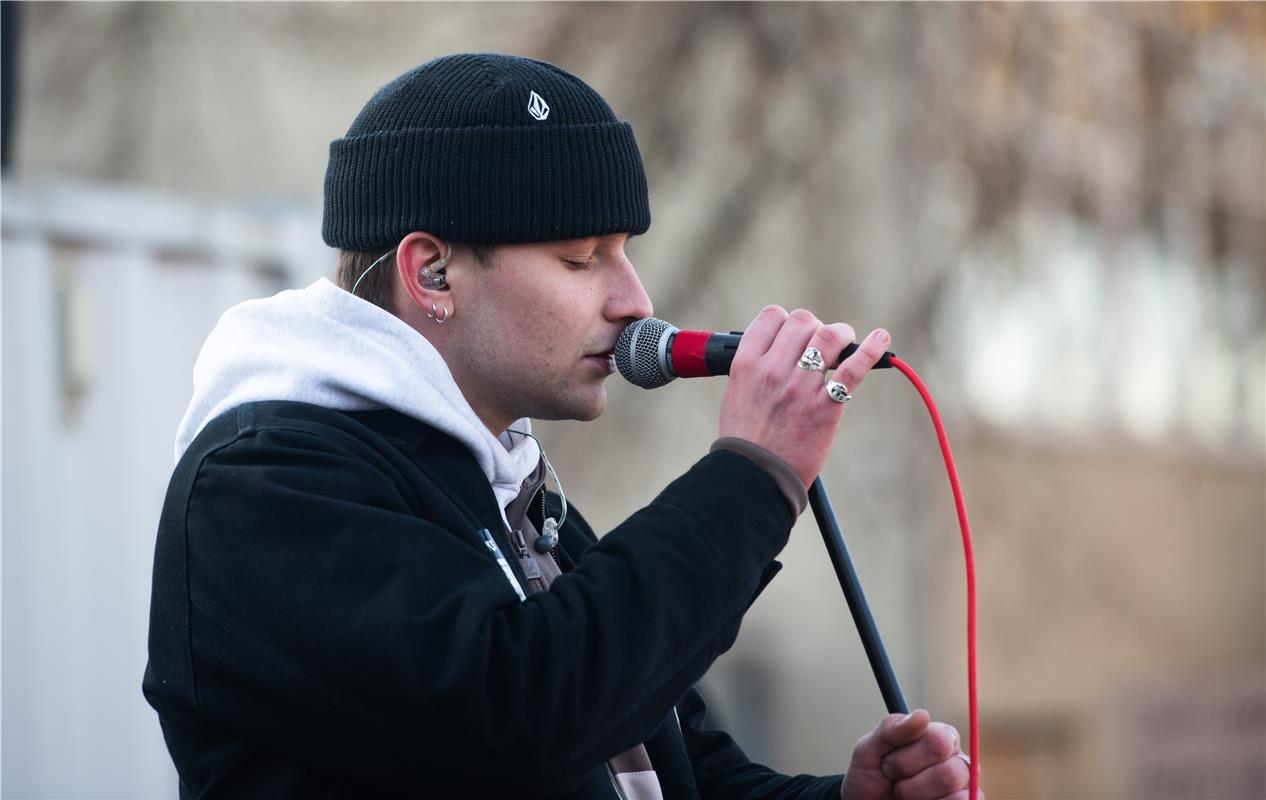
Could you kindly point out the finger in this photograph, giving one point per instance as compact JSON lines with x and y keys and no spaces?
{"x":907,"y":730}
{"x":892,"y":732}
{"x":792,"y":339}
{"x":760,"y":334}
{"x":939,"y":780}
{"x":854,"y":369}
{"x":831,"y":341}
{"x":937,"y":744}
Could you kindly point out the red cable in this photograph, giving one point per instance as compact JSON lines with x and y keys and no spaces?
{"x":943,"y":438}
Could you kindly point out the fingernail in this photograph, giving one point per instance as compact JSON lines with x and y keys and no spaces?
{"x":905,"y":719}
{"x":881,"y":336}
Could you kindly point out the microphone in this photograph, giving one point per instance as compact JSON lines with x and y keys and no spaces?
{"x":651,"y":352}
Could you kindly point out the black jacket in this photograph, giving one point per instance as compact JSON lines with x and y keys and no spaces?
{"x":326,"y":621}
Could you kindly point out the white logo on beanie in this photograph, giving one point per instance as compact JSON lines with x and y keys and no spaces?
{"x":537,"y":107}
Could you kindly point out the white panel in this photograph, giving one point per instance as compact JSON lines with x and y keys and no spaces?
{"x":84,"y":482}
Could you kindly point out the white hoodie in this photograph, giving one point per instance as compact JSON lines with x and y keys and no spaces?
{"x":324,"y":346}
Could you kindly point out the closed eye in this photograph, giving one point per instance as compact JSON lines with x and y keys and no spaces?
{"x":578,"y":262}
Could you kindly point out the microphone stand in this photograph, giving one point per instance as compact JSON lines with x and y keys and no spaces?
{"x":833,"y":537}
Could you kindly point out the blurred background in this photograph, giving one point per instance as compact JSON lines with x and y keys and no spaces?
{"x":1057,"y":210}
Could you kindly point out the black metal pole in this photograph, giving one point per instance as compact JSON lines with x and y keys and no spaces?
{"x":833,"y":537}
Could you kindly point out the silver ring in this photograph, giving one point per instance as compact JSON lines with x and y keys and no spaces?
{"x":837,"y":392}
{"x":812,"y":360}
{"x":966,"y":758}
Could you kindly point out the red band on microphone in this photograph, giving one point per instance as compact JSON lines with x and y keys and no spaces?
{"x":687,"y":354}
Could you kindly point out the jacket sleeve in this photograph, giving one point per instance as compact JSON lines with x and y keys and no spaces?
{"x":349,"y":620}
{"x":723,"y":772}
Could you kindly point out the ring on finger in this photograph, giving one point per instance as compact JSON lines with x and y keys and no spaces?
{"x":812,"y":360}
{"x":837,"y":391}
{"x":966,"y":758}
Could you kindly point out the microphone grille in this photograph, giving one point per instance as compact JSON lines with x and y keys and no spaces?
{"x":641,"y":353}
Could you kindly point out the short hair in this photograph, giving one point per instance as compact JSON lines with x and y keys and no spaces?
{"x":378,"y":287}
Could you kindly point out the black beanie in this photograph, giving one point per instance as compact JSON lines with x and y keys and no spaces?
{"x":484,"y":149}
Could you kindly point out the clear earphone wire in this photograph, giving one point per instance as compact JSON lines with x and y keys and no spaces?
{"x":551,"y":525}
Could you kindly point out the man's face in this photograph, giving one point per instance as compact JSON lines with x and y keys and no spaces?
{"x":535,"y":328}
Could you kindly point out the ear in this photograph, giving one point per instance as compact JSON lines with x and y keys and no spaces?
{"x":421,"y":251}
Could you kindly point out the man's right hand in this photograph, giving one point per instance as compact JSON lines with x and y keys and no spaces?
{"x":770,"y":401}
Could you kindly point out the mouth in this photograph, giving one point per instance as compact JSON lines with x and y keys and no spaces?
{"x":604,"y":359}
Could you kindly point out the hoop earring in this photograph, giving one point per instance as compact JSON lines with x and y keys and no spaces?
{"x":439,"y":318}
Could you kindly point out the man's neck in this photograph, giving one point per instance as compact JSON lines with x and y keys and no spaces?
{"x":494,"y":422}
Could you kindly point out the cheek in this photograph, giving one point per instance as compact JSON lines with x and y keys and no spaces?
{"x":520,"y":340}
{"x":542,"y":321}
{"x":564,"y":320}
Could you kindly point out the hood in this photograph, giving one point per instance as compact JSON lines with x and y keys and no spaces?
{"x":324,"y":346}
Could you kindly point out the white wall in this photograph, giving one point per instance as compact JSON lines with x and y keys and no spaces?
{"x":107,"y":295}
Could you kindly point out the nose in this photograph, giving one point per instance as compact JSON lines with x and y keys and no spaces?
{"x":628,"y":300}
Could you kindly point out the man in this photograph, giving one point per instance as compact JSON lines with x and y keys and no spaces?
{"x":361,"y":588}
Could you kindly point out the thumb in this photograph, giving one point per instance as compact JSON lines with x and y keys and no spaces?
{"x":892,"y":732}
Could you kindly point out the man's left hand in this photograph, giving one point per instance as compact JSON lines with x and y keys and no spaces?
{"x":908,"y":758}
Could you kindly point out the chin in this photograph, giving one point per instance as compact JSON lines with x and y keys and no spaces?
{"x":580,"y":409}
{"x":589,"y":411}
{"x":591,"y":415}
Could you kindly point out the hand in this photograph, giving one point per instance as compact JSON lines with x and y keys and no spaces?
{"x":771,"y":402}
{"x":908,"y":758}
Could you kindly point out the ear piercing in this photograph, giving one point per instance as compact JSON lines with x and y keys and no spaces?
{"x":440,"y":315}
